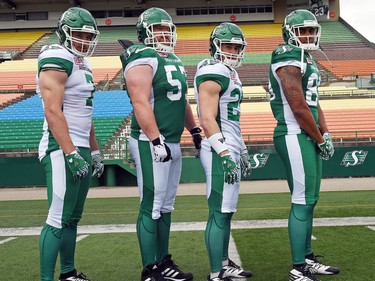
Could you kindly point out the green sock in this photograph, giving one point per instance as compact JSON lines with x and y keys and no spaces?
{"x":49,"y":244}
{"x":226,"y":235}
{"x":67,"y":248}
{"x":310,"y":217}
{"x":147,"y":238}
{"x":164,"y":228}
{"x":215,"y":236}
{"x":298,"y":225}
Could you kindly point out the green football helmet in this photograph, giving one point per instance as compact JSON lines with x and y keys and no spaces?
{"x":227,"y":33}
{"x":291,"y":29}
{"x":78,"y":20}
{"x":161,"y":41}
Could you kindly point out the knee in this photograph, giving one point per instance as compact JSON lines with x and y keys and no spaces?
{"x":301,"y":212}
{"x":219,"y":219}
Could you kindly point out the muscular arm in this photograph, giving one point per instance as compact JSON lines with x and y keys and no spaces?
{"x":208,"y":104}
{"x":322,"y":121}
{"x":189,"y":117}
{"x":139,"y":83}
{"x":52,"y":88}
{"x":93,"y":142}
{"x":291,"y":82}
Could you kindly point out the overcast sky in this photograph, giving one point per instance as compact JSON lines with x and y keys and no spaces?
{"x":360,"y":14}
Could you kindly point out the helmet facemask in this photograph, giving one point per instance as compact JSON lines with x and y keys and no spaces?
{"x":227,"y":33}
{"x":87,"y":46}
{"x":162,"y":41}
{"x":312,"y":40}
{"x":230,"y":59}
{"x":77,"y":21}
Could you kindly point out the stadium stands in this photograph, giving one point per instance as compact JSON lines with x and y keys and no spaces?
{"x":348,"y":55}
{"x":21,"y":123}
{"x":19,"y":41}
{"x":21,"y":74}
{"x":347,"y":119}
{"x":6,"y":99}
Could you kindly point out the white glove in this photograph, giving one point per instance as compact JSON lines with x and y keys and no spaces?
{"x":245,"y":163}
{"x":326,"y":149}
{"x":162,"y":152}
{"x":97,"y":163}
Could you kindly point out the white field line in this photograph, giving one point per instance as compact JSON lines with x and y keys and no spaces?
{"x":233,"y":254}
{"x":191,"y":226}
{"x":372,"y":227}
{"x":7,"y":240}
{"x":81,"y":237}
{"x":313,"y":237}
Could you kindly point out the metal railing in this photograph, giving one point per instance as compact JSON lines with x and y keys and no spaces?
{"x":118,"y":147}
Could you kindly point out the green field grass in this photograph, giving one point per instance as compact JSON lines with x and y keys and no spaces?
{"x":109,"y":257}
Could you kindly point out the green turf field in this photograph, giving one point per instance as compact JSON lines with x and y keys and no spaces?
{"x":265,"y":251}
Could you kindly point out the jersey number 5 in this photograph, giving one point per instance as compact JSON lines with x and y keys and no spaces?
{"x":172,"y":95}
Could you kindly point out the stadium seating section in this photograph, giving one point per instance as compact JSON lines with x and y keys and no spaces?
{"x":21,"y":123}
{"x":345,"y":55}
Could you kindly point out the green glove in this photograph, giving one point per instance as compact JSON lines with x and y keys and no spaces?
{"x":78,"y":165}
{"x":230,"y":169}
{"x":326,"y":149}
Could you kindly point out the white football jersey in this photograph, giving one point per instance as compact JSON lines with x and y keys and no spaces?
{"x":229,"y":111}
{"x":78,"y":96}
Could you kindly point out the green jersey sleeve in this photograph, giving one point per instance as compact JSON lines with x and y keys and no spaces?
{"x":210,"y":70}
{"x":52,"y":57}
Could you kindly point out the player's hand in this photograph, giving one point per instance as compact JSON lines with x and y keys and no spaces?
{"x":97,"y":163}
{"x":197,"y":138}
{"x":230,"y":169}
{"x":162,"y":152}
{"x":245,"y":163}
{"x":326,"y":149}
{"x":78,"y":165}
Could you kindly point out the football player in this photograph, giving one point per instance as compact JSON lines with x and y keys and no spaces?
{"x":155,"y":80}
{"x":68,"y":148}
{"x":301,"y":136}
{"x":218,"y":92}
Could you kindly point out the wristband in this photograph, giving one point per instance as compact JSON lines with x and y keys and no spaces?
{"x":95,"y":152}
{"x":158,"y":141}
{"x":195,"y":130}
{"x":217,"y":142}
{"x":71,"y":153}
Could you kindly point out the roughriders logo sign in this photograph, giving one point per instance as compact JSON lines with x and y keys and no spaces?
{"x":354,"y":158}
{"x":258,"y":160}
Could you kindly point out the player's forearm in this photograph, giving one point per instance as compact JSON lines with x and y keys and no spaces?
{"x":307,"y":123}
{"x":93,"y":141}
{"x":322,"y":121}
{"x":189,"y":118}
{"x":146,"y":120}
{"x":59,"y":128}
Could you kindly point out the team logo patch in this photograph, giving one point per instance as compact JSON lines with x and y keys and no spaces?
{"x":309,"y":61}
{"x":78,"y":61}
{"x":258,"y":160}
{"x":233,"y":75}
{"x":354,"y":158}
